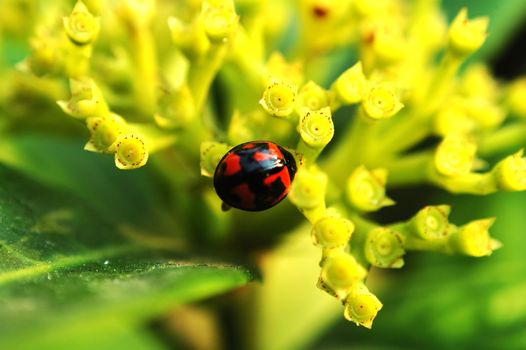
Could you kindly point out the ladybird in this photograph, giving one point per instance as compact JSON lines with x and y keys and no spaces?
{"x":255,"y":175}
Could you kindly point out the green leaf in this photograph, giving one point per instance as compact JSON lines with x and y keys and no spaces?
{"x":126,"y":196}
{"x":69,"y":279}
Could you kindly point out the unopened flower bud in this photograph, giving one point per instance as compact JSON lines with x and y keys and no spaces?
{"x":316,"y":127}
{"x":279,"y":99}
{"x":81,"y":26}
{"x":104,"y":132}
{"x":332,"y":232}
{"x":361,"y":306}
{"x":455,"y":155}
{"x":366,"y":189}
{"x":340,"y":271}
{"x":467,"y":36}
{"x":431,"y":222}
{"x":219,"y":23}
{"x":350,"y":85}
{"x":384,"y":248}
{"x":86,"y":100}
{"x":313,"y":97}
{"x":473,"y":239}
{"x":510,"y":173}
{"x":381,"y":101}
{"x":130,"y":152}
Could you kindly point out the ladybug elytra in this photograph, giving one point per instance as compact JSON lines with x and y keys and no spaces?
{"x":255,"y":175}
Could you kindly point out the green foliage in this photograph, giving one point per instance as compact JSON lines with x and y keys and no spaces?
{"x":71,"y":279}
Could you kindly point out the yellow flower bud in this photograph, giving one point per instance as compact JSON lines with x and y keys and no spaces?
{"x":279,"y":69}
{"x":366,"y":189}
{"x":339,"y":272}
{"x":104,"y":132}
{"x":189,"y":37}
{"x":332,"y":232}
{"x":431,"y":222}
{"x":516,"y":97}
{"x":510,"y":173}
{"x":381,"y":101}
{"x":466,"y":36}
{"x":485,"y":113}
{"x":478,"y":82}
{"x":278,"y":99}
{"x":46,"y":56}
{"x":384,"y":248}
{"x":361,"y":306}
{"x":389,"y":44}
{"x":309,"y":187}
{"x":350,"y":85}
{"x":453,"y":117}
{"x":473,"y":239}
{"x":86,"y":100}
{"x":313,"y":97}
{"x":455,"y":155}
{"x":316,"y":127}
{"x":211,"y":154}
{"x":81,"y":26}
{"x":130,"y":152}
{"x":220,"y":23}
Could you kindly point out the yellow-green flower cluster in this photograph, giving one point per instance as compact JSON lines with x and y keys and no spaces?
{"x":182,"y":82}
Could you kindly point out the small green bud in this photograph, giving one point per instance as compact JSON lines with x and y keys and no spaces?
{"x":473,"y":239}
{"x":211,"y":154}
{"x":455,"y":155}
{"x":350,"y":85}
{"x":339,"y":272}
{"x":332,"y":232}
{"x":510,"y":173}
{"x":361,"y":306}
{"x":366,"y":189}
{"x":130,"y":152}
{"x":86,"y":100}
{"x":279,"y":99}
{"x":384,"y":248}
{"x":104,"y":132}
{"x":81,"y":26}
{"x":431,"y":222}
{"x":316,"y":127}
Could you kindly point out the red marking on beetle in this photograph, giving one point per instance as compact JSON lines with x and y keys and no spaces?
{"x":232,"y":164}
{"x":285,"y":180}
{"x":245,"y":194}
{"x":248,"y":146}
{"x":273,"y":148}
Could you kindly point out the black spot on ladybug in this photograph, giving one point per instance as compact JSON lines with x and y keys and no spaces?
{"x":254,"y":176}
